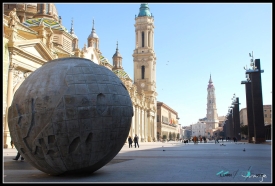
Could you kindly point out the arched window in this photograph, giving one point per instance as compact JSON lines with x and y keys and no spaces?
{"x":142,"y":72}
{"x":142,"y":39}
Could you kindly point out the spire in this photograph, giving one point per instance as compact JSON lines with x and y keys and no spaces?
{"x":93,"y":25}
{"x":117,"y":54}
{"x":72,"y":29}
{"x":117,"y":59}
{"x":210,"y":80}
{"x":93,"y":34}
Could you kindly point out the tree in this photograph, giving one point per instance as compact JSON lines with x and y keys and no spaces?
{"x":158,"y":135}
{"x":170,"y":136}
{"x":173,"y":135}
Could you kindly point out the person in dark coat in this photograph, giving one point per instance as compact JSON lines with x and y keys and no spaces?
{"x":136,"y":141}
{"x":130,"y":141}
{"x":18,"y":156}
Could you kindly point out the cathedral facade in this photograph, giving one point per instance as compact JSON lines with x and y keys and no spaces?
{"x":34,"y":35}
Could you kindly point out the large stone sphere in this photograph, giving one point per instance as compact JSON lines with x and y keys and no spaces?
{"x":70,"y":115}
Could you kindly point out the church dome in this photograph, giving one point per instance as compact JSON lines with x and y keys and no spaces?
{"x":47,"y":10}
{"x":144,"y":10}
{"x":23,"y":10}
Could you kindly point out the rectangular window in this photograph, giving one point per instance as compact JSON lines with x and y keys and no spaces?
{"x":164,"y":120}
{"x":265,"y":115}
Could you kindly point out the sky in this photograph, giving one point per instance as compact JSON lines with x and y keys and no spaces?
{"x":191,"y":41}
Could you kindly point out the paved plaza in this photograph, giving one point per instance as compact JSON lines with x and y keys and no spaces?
{"x":157,"y":162}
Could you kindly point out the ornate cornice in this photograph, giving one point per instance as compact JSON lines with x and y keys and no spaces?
{"x":27,"y":55}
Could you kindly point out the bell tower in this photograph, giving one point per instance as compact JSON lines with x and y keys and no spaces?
{"x":145,"y":69}
{"x":144,"y":55}
{"x":212,"y":121}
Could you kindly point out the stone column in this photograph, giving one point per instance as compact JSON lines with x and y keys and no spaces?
{"x":145,"y":126}
{"x":136,"y":40}
{"x":139,"y":38}
{"x":136,"y":119}
{"x":137,"y":132}
{"x":132,"y":130}
{"x":44,"y":8}
{"x":7,"y":137}
{"x":155,"y":127}
{"x":138,"y":123}
{"x":152,"y":39}
{"x":149,"y":127}
{"x":141,"y":124}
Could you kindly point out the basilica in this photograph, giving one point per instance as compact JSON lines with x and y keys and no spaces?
{"x":34,"y":35}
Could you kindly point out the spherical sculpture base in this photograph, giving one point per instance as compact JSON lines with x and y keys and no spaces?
{"x":70,"y":115}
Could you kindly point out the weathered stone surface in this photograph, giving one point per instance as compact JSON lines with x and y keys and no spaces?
{"x":70,"y":115}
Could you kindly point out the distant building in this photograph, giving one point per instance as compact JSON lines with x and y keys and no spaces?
{"x":186,"y":132}
{"x":267,"y":115}
{"x":167,"y":121}
{"x":198,"y":129}
{"x":221,"y":120}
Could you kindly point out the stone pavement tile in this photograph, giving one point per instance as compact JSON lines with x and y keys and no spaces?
{"x":178,"y":163}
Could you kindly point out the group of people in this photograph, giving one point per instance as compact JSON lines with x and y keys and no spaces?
{"x":130,"y":141}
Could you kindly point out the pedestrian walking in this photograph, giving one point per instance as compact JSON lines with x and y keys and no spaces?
{"x":18,"y":156}
{"x":130,"y":141}
{"x":204,"y":139}
{"x":136,"y":141}
{"x":216,"y":140}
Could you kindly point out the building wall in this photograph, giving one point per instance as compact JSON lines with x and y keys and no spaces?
{"x":243,"y":116}
{"x":168,"y":120}
{"x":5,"y":75}
{"x":267,"y":115}
{"x":198,"y":129}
